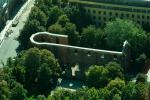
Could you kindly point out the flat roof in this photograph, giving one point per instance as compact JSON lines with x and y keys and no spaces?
{"x":137,"y":3}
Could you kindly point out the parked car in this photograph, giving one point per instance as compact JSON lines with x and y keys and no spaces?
{"x":14,"y":23}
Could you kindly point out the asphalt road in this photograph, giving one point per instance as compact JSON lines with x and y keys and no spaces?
{"x":10,"y":44}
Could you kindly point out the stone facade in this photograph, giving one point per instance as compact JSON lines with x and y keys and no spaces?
{"x":76,"y":60}
{"x":102,"y":11}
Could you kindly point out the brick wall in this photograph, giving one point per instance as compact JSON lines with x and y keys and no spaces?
{"x":70,"y":56}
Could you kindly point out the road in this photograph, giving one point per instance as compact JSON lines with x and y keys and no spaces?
{"x":10,"y":44}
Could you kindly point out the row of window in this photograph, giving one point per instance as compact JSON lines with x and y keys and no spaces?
{"x":111,"y":18}
{"x":138,"y":10}
{"x":89,"y":55}
{"x":118,"y":14}
{"x":103,"y":22}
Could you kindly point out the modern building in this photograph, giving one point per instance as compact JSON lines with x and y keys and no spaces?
{"x":3,"y":12}
{"x":102,"y":11}
{"x":6,"y":9}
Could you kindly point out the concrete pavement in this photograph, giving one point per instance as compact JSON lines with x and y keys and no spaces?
{"x":10,"y":44}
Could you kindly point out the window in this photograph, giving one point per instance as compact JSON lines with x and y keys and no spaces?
{"x":143,"y":16}
{"x":102,"y":56}
{"x":94,"y":17}
{"x":94,"y":11}
{"x":99,"y":18}
{"x":115,"y":57}
{"x":88,"y":54}
{"x":99,"y":12}
{"x":127,"y":15}
{"x":89,"y":11}
{"x":76,"y":52}
{"x":147,"y":23}
{"x":99,"y":24}
{"x":138,"y":16}
{"x":116,"y":14}
{"x":122,"y":15}
{"x":104,"y":18}
{"x":138,"y":22}
{"x":110,"y":13}
{"x":104,"y":12}
{"x":132,"y":16}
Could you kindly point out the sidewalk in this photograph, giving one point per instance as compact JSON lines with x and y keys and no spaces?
{"x":10,"y":44}
{"x":9,"y":22}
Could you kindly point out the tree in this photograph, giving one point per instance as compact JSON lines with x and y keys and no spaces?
{"x":147,"y":46}
{"x":37,"y":14}
{"x":31,"y":27}
{"x":56,"y":2}
{"x":70,"y":30}
{"x":65,"y":1}
{"x":120,"y":30}
{"x":62,"y":20}
{"x":115,"y":94}
{"x":100,"y":39}
{"x":61,"y":94}
{"x":129,"y":92}
{"x":93,"y":94}
{"x":88,"y":36}
{"x":116,"y":97}
{"x":41,"y":97}
{"x":78,"y":16}
{"x":56,"y":29}
{"x":92,"y":37}
{"x":54,"y":14}
{"x":4,"y":90}
{"x":97,"y":76}
{"x":18,"y":92}
{"x":45,"y":81}
{"x":104,"y":93}
{"x":115,"y":70}
{"x":19,"y":73}
{"x":117,"y":83}
{"x":142,"y":91}
{"x":40,"y":66}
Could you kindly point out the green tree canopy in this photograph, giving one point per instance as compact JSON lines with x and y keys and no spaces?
{"x":38,"y":15}
{"x":97,"y":76}
{"x":70,"y":30}
{"x":62,"y":20}
{"x":4,"y":90}
{"x":56,"y":29}
{"x":120,"y":30}
{"x":41,"y":70}
{"x":92,"y":37}
{"x":117,"y":83}
{"x":130,"y":92}
{"x":115,"y":70}
{"x":54,"y":14}
{"x":18,"y":92}
{"x":31,"y":27}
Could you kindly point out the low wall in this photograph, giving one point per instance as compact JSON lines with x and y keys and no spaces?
{"x":70,"y":56}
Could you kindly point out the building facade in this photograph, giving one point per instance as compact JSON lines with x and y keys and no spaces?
{"x":76,"y":60}
{"x":3,"y":12}
{"x":102,"y":11}
{"x":7,"y":7}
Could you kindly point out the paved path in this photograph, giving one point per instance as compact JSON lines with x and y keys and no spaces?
{"x":148,"y":75}
{"x":10,"y":44}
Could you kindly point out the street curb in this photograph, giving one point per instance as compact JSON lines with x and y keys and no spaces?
{"x":3,"y":32}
